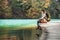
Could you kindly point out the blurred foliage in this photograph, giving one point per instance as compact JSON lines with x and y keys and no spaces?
{"x":54,"y":9}
{"x":20,"y":9}
{"x":5,"y":9}
{"x":28,"y":8}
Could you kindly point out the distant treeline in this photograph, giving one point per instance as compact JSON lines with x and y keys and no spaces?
{"x":18,"y":9}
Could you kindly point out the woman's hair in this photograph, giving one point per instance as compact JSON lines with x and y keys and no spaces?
{"x":43,"y":10}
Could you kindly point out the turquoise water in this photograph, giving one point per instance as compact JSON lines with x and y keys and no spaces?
{"x":21,"y":23}
{"x":18,"y":22}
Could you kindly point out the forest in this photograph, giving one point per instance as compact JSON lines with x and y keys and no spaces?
{"x":28,"y":9}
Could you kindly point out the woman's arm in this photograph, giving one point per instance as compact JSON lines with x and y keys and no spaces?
{"x":43,"y":16}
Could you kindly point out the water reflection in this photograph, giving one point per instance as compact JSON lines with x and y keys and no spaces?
{"x":18,"y":34}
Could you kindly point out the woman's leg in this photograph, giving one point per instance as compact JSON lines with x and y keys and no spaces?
{"x":38,"y":26}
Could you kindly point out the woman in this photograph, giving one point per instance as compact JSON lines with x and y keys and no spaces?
{"x":45,"y":17}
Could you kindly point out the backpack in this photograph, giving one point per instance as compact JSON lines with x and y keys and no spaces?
{"x":48,"y":16}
